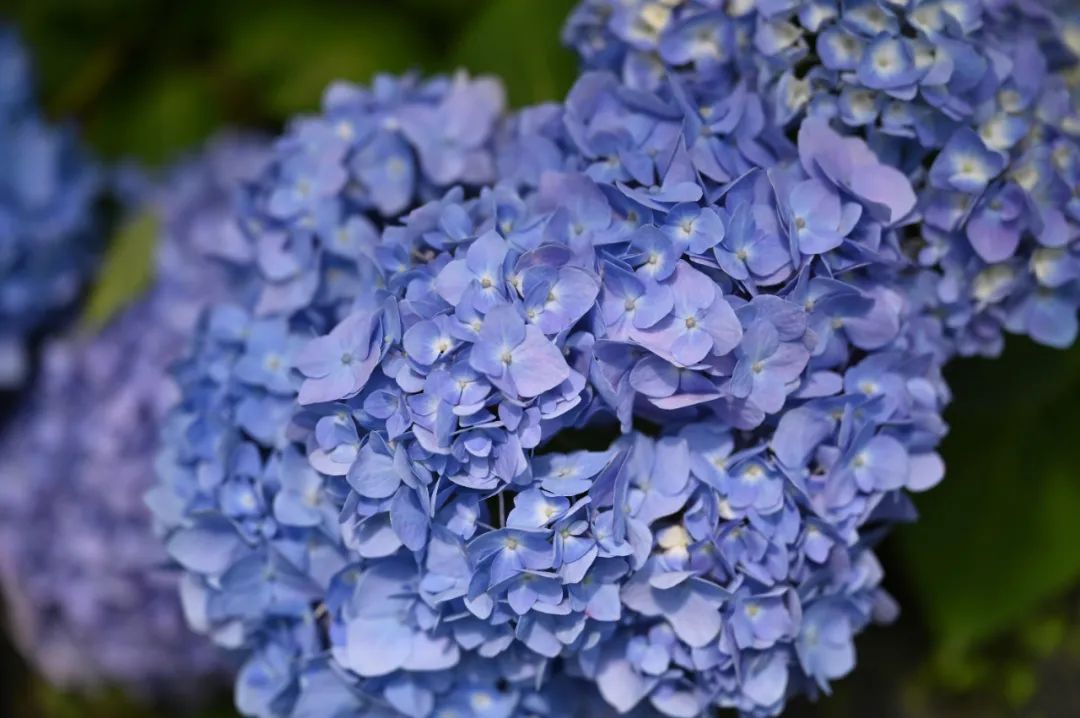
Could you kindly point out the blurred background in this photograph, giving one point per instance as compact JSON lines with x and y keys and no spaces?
{"x":988,"y":579}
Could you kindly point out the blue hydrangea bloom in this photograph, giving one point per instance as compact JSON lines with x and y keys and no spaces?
{"x":83,"y":576}
{"x":626,"y":413}
{"x":239,"y":392}
{"x":969,"y":99}
{"x":49,"y":241}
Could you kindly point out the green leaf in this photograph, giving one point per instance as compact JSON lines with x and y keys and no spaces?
{"x":518,"y":40}
{"x":998,"y":539}
{"x":126,"y":271}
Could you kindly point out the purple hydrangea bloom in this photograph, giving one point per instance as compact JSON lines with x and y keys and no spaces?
{"x":49,"y":238}
{"x":621,"y":414}
{"x":968,"y":99}
{"x":92,"y":602}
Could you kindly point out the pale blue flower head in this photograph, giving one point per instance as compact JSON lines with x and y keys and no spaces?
{"x":92,"y":601}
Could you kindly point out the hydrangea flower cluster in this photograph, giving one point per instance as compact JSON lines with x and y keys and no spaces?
{"x":968,"y":98}
{"x":83,"y":576}
{"x":48,"y":239}
{"x":626,"y":407}
{"x":336,"y":181}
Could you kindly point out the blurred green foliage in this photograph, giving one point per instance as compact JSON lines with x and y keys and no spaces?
{"x":984,"y":576}
{"x":518,"y":41}
{"x":1000,"y":537}
{"x":126,"y":270}
{"x":149,"y":78}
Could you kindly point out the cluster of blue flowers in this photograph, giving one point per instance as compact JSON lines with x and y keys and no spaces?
{"x":382,"y":477}
{"x":595,"y":408}
{"x":255,"y":525}
{"x":601,"y":406}
{"x":967,"y":98}
{"x":48,"y":238}
{"x":91,"y":600}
